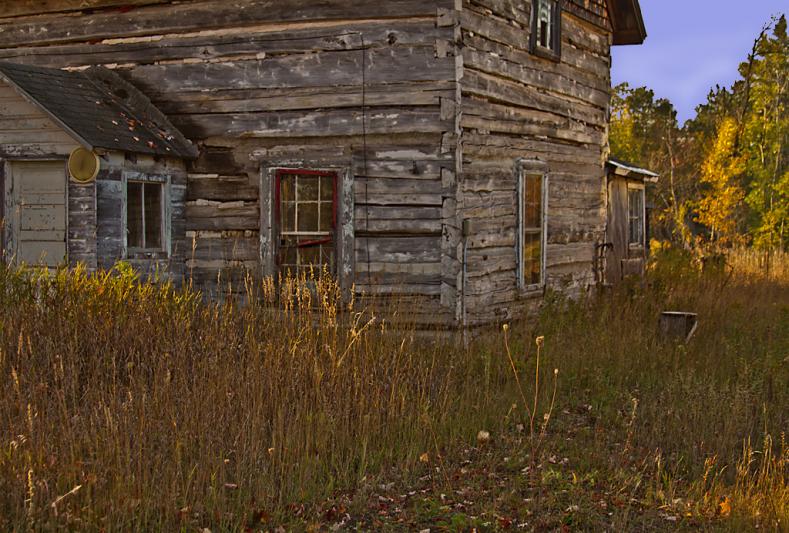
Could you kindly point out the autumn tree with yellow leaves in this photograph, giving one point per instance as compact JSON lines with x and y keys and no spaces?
{"x":721,"y":171}
{"x":725,"y":172}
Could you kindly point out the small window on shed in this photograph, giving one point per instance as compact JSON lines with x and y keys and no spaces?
{"x":636,"y":216}
{"x":546,"y":25}
{"x":144,"y":216}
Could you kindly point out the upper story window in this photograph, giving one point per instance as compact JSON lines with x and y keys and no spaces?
{"x":636,"y":215}
{"x":546,"y":29}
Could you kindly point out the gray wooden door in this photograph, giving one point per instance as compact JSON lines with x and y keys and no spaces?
{"x":37,"y":210}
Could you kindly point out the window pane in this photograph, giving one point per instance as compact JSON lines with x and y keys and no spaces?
{"x":327,"y":256}
{"x":289,"y":252}
{"x":288,"y":216}
{"x":286,"y":189}
{"x":153,"y":216}
{"x":327,"y":188}
{"x":327,"y":216}
{"x":309,"y":256}
{"x":533,"y":202}
{"x":307,"y":216}
{"x":134,"y":234}
{"x":544,"y":23}
{"x":307,"y":188}
{"x":532,"y":212}
{"x":532,"y":258}
{"x":636,"y":215}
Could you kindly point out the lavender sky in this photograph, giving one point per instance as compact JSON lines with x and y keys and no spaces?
{"x":691,"y":46}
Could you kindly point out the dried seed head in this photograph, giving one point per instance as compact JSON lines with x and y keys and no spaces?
{"x":483,"y":436}
{"x":540,"y":341}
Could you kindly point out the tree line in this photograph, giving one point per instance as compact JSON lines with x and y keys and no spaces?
{"x":724,"y":176}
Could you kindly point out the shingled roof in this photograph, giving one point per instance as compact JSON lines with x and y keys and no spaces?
{"x":99,"y":109}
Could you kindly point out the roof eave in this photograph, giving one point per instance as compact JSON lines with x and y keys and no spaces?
{"x":625,"y":170}
{"x":627,"y":22}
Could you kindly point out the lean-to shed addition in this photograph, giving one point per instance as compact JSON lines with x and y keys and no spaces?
{"x":448,"y":152}
{"x":627,"y":228}
{"x":129,"y":207}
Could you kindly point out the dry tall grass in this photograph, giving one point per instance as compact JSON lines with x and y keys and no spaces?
{"x":124,"y":404}
{"x":713,"y":412}
{"x":134,"y":406}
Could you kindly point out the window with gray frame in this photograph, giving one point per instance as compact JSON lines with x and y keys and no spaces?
{"x":145,"y":216}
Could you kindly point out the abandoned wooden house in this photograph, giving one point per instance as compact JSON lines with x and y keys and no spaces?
{"x":452,"y":151}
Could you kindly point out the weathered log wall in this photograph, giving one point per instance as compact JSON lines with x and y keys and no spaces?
{"x":518,"y":105}
{"x":365,"y":86}
{"x":379,"y":90}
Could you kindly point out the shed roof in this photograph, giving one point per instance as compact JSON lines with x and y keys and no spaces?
{"x":629,"y":170}
{"x":99,"y":109}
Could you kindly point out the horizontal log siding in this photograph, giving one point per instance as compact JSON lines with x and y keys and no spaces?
{"x":269,"y":83}
{"x":516,"y":105}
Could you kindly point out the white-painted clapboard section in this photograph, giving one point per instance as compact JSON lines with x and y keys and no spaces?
{"x":39,"y":199}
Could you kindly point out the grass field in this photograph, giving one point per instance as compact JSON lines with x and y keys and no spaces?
{"x":130,"y":406}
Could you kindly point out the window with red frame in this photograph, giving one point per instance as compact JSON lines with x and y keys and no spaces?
{"x":307,"y":213}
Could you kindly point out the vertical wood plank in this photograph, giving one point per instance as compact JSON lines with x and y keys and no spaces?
{"x":266,"y":198}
